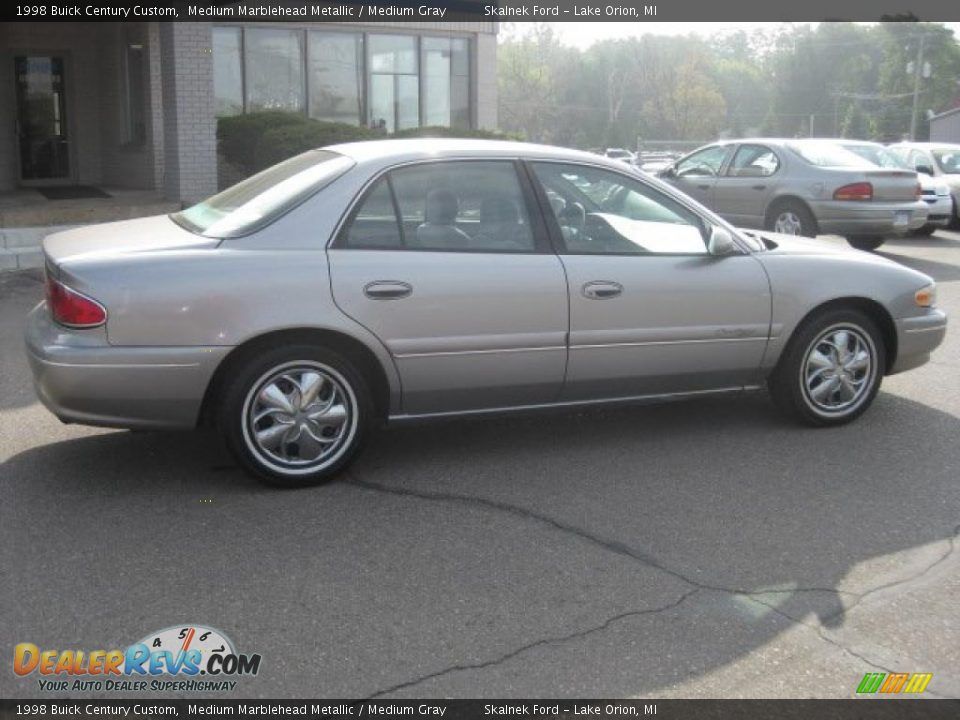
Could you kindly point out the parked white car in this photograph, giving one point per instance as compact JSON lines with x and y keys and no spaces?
{"x":940,"y":161}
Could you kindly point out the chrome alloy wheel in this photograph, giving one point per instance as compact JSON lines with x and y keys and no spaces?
{"x":839,"y":370}
{"x":788,"y":223}
{"x":299,"y":417}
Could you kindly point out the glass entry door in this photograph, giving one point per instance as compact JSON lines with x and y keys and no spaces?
{"x":41,"y":118}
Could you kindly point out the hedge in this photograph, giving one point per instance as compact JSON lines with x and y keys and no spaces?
{"x":256,"y":141}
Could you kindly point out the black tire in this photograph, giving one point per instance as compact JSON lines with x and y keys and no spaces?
{"x":791,"y":213}
{"x":288,"y":370}
{"x":790,"y":385}
{"x":867,"y":243}
{"x":955,"y":218}
{"x":925,"y":231}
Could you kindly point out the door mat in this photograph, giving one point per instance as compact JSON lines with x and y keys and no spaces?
{"x":71,"y":192}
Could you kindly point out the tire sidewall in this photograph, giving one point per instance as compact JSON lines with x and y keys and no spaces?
{"x":787,"y":383}
{"x":252,"y":372}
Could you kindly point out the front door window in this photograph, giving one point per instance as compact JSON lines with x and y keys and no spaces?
{"x":41,"y":118}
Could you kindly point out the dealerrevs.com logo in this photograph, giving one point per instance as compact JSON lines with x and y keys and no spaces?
{"x":181,"y":658}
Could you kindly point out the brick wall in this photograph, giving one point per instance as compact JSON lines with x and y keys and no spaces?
{"x":189,"y":125}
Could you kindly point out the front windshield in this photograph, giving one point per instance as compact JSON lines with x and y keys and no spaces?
{"x":826,"y":154}
{"x":260,"y":199}
{"x":878,"y":155}
{"x":948,"y":158}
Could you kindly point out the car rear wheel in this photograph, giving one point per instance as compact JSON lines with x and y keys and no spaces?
{"x":925,"y":231}
{"x":295,"y":416}
{"x":791,"y":218}
{"x":831,"y":370}
{"x":866,"y":243}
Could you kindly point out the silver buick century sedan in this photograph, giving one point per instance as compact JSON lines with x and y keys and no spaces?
{"x":393,"y":280}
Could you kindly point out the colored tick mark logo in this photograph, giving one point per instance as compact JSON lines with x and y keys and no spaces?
{"x":892,"y":683}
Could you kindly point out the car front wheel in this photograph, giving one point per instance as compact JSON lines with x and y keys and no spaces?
{"x":831,"y":370}
{"x":295,"y":416}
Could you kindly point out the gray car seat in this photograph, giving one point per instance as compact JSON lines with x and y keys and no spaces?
{"x":500,"y":226}
{"x":439,"y":231}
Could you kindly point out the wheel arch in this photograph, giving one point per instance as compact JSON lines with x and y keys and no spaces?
{"x":781,"y":200}
{"x":354,"y":350}
{"x":869,"y":307}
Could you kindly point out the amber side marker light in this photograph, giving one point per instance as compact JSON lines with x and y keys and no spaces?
{"x":926,"y":297}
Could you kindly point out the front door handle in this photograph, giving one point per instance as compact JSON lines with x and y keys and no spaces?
{"x":387,"y":290}
{"x":601,"y":289}
{"x":759,"y":187}
{"x":703,"y":187}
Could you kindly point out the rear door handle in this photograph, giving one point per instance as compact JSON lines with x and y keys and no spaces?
{"x":759,"y":187}
{"x":387,"y":290}
{"x":601,"y":289}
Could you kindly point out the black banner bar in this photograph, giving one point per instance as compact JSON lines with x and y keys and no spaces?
{"x":862,"y":709}
{"x":632,"y":11}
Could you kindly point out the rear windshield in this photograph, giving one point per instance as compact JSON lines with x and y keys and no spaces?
{"x":825,"y":154}
{"x":261,"y":199}
{"x":879,"y":155}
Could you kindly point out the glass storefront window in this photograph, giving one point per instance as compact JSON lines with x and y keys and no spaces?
{"x":335,"y":76}
{"x":273,"y":64}
{"x":227,"y":71}
{"x":446,"y":82}
{"x":387,"y":81}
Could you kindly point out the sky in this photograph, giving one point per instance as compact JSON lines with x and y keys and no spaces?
{"x":584,"y":34}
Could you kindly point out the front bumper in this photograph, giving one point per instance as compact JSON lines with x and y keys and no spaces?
{"x":837,"y":217}
{"x":940,"y":210}
{"x":917,"y":337}
{"x":81,"y":378}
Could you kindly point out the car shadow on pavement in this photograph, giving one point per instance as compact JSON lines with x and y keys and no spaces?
{"x":601,"y":553}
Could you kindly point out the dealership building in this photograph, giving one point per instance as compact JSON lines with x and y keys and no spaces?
{"x":134,"y":105}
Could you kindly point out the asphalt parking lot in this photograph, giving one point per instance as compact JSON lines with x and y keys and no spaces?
{"x":698,"y":549}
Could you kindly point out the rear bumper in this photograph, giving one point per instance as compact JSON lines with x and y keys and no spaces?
{"x":836,"y":217}
{"x":82,"y":379}
{"x":917,"y":337}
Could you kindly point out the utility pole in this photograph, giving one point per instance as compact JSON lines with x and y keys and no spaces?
{"x":917,"y":72}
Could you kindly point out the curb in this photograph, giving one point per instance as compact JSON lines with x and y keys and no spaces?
{"x":20,"y":246}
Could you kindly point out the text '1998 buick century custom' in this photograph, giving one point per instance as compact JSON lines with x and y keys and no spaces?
{"x":402,"y":279}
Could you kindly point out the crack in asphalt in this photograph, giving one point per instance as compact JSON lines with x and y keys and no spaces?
{"x":557,"y":640}
{"x":625,"y":550}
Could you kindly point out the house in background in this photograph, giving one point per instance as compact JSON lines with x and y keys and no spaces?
{"x":945,"y":127}
{"x":135,"y":105}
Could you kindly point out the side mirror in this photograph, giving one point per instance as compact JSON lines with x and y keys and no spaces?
{"x":721,"y":242}
{"x":924,"y":169}
{"x":668,"y":172}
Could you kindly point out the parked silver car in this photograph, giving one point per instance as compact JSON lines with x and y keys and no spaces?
{"x":407,"y":279}
{"x":934,"y":192}
{"x":801,"y":187}
{"x":940,"y":161}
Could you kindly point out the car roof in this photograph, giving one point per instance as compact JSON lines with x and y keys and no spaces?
{"x":908,"y":143}
{"x":397,"y":151}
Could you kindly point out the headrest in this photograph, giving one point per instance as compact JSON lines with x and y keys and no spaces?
{"x":441,"y":207}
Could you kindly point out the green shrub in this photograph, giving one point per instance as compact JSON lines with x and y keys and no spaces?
{"x":452,"y":132}
{"x":240,"y":135}
{"x":284,"y":142}
{"x":256,"y":141}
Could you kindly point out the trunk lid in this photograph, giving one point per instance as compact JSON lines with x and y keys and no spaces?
{"x":892,"y":185}
{"x":117,"y":239}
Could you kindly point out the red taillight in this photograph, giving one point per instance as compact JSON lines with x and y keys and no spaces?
{"x":70,"y":308}
{"x":854,"y":191}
